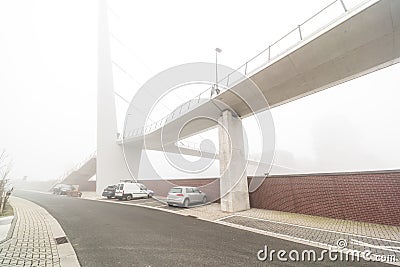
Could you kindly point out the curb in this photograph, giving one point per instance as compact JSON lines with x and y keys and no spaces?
{"x":66,"y":252}
{"x":12,"y":226}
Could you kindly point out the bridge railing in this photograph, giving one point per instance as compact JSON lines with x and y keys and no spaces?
{"x":77,"y":166}
{"x":316,"y":23}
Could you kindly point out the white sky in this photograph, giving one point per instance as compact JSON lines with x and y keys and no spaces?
{"x":48,"y":69}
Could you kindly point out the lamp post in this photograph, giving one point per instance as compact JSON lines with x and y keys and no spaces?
{"x":217,"y":50}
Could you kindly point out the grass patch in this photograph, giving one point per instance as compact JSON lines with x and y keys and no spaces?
{"x":8,"y":210}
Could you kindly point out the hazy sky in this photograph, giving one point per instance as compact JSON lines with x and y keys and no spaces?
{"x":48,"y":70}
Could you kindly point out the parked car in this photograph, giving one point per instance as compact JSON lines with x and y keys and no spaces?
{"x":185,"y":195}
{"x":61,"y":189}
{"x":109,"y":191}
{"x":130,"y":190}
{"x":74,"y":192}
{"x":66,"y":189}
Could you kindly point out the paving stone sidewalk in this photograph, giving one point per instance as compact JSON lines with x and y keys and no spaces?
{"x":32,"y":241}
{"x":320,"y":231}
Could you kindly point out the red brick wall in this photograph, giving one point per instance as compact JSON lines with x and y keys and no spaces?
{"x":84,"y":184}
{"x":367,"y":196}
{"x":88,"y":186}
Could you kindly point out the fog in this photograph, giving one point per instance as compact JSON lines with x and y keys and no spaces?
{"x":48,"y":81}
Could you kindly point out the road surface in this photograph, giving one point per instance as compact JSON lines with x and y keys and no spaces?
{"x":108,"y":234}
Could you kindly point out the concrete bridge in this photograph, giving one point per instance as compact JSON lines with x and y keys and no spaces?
{"x":359,"y":41}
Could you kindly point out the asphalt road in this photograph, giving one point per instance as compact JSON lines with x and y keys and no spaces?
{"x":107,"y":234}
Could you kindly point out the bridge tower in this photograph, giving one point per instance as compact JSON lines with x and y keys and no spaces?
{"x":110,"y":167}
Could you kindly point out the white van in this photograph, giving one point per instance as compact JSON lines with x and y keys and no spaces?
{"x":132,"y":190}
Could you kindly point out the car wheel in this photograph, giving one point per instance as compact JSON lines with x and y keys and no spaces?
{"x":186,"y":203}
{"x":204,"y":200}
{"x":129,"y":197}
{"x":108,"y":197}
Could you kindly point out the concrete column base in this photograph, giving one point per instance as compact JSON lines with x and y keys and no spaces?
{"x":233,"y":182}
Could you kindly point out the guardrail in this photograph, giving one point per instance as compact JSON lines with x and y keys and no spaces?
{"x":274,"y":50}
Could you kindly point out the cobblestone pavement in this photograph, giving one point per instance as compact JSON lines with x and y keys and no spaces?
{"x":346,"y":226}
{"x":320,"y":231}
{"x":381,"y":247}
{"x":32,"y":242}
{"x":378,"y":231}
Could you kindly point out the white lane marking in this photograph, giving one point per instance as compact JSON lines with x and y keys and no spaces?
{"x":35,"y":191}
{"x":297,"y":240}
{"x":139,"y":205}
{"x":225,"y":217}
{"x":314,"y":228}
{"x":388,"y":248}
{"x":144,"y":205}
{"x":281,"y":236}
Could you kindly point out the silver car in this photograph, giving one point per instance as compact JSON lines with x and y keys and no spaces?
{"x":185,"y":196}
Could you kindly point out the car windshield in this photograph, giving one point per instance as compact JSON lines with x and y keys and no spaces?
{"x":176,"y":190}
{"x":110,"y":187}
{"x":65,"y":186}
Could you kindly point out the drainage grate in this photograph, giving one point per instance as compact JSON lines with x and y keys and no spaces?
{"x":61,"y":240}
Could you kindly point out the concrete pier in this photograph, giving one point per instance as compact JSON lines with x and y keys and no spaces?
{"x":233,"y":182}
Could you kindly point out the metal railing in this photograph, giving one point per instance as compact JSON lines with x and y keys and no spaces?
{"x":77,"y":166}
{"x":270,"y":53}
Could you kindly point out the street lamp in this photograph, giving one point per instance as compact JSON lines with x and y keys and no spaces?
{"x":217,"y":50}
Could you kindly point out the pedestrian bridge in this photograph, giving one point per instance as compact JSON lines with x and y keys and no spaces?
{"x":355,"y":42}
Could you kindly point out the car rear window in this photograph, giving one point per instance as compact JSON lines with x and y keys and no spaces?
{"x":176,"y":190}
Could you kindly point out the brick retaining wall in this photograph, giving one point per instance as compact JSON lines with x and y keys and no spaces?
{"x":364,"y":196}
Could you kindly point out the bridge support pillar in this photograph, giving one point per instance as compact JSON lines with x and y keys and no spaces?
{"x":233,"y":182}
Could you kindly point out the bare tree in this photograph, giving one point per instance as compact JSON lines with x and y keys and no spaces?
{"x":5,"y":169}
